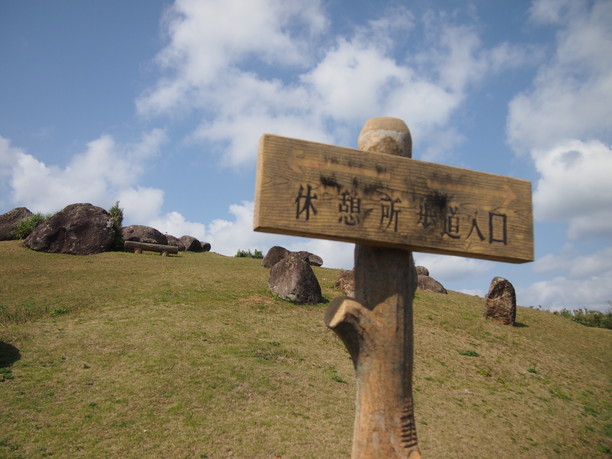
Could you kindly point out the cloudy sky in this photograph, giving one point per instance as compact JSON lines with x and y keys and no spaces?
{"x":160,"y":105}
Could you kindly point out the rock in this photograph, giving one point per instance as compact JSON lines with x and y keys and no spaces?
{"x":175,"y":241}
{"x":346,"y":283}
{"x":429,"y":283}
{"x":310,"y":258}
{"x":205,"y":246}
{"x":293,"y":279}
{"x":141,"y":233}
{"x":78,"y":229}
{"x":277,"y":253}
{"x":274,"y":255}
{"x":191,"y":243}
{"x":422,"y":271}
{"x":500,"y":302}
{"x":10,"y":221}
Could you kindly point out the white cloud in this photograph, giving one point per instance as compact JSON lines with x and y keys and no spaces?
{"x":571,"y":96}
{"x":208,"y":38}
{"x":594,"y":265}
{"x":575,"y":186}
{"x":446,"y":268}
{"x":551,"y":262}
{"x":338,"y":255}
{"x":140,"y":204}
{"x":583,"y":280}
{"x":176,"y":225}
{"x":345,"y":86}
{"x":226,"y":236}
{"x":570,"y":293}
{"x":553,"y":11}
{"x":98,"y":175}
{"x":223,"y":67}
{"x":8,"y":157}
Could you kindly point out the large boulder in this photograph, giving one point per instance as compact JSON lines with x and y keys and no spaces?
{"x":191,"y":243}
{"x":10,"y":221}
{"x":292,"y":279}
{"x":500,"y":302}
{"x":142,"y":233}
{"x":78,"y":229}
{"x":346,"y":283}
{"x":429,"y":283}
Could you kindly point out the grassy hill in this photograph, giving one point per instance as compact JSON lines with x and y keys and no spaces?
{"x":123,"y":355}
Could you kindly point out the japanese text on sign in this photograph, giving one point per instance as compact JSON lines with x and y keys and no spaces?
{"x":486,"y":226}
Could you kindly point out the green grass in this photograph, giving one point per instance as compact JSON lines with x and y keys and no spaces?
{"x":123,"y":355}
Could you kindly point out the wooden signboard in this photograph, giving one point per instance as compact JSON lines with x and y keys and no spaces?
{"x":323,"y":191}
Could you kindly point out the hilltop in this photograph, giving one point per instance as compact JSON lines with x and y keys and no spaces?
{"x":117,"y":354}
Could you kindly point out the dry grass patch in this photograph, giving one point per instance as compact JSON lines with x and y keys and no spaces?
{"x":191,"y":356}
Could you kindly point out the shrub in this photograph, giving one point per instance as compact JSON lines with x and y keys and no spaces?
{"x":116,"y":213}
{"x":247,"y":254}
{"x":588,"y":317}
{"x":27,"y":225}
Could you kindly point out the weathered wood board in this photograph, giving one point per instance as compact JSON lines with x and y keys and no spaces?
{"x":323,"y":191}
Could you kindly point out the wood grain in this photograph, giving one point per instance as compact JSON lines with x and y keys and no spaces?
{"x":324,"y":191}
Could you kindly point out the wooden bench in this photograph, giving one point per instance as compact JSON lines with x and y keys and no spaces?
{"x":138,"y":247}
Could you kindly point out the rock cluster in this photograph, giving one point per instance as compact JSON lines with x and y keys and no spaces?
{"x":140,"y":233}
{"x":83,"y":229}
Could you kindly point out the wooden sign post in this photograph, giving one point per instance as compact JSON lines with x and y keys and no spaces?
{"x":389,"y":205}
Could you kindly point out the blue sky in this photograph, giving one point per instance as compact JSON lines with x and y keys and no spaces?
{"x":160,"y":105}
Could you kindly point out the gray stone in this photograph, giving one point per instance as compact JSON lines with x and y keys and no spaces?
{"x":10,"y":221}
{"x":500,"y":302}
{"x":78,"y":229}
{"x":191,"y":243}
{"x":292,"y":279}
{"x":310,"y":258}
{"x":277,"y":253}
{"x":142,"y":233}
{"x":175,"y":241}
{"x":274,"y":255}
{"x":429,"y":283}
{"x":422,"y":271}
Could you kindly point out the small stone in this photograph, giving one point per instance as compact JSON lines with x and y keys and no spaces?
{"x":429,"y":283}
{"x":346,"y":283}
{"x":500,"y":302}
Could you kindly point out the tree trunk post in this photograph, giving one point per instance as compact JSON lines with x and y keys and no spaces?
{"x":376,"y":327}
